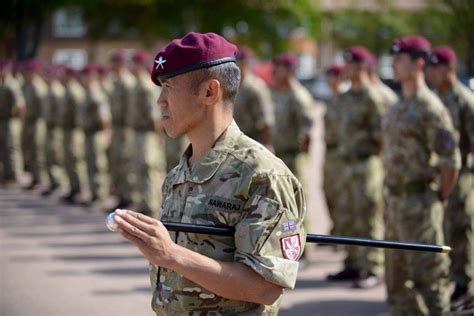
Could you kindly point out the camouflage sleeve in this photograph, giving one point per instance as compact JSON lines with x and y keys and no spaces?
{"x":270,"y":238}
{"x":468,"y":118}
{"x":377,"y":111}
{"x":104,"y":107}
{"x":441,"y":137}
{"x":265,"y":105}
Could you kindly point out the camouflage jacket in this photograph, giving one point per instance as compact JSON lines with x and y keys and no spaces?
{"x":332,"y":120}
{"x":239,"y":184}
{"x":7,"y":102}
{"x":360,"y":126}
{"x":418,"y":138}
{"x":55,"y":101}
{"x":293,"y":117}
{"x":95,"y":110}
{"x":253,"y":108}
{"x":120,"y":98}
{"x":35,"y":96}
{"x":143,"y":110}
{"x":460,"y":103}
{"x":74,"y":97}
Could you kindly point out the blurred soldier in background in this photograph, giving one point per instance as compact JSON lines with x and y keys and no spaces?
{"x":253,"y":110}
{"x":120,"y":100}
{"x":360,"y":145}
{"x":145,"y":121}
{"x":388,"y":95}
{"x":94,"y":116}
{"x":11,"y":105}
{"x":458,"y":216}
{"x":54,"y":102}
{"x":105,"y":80}
{"x":35,"y":91}
{"x":415,"y":129}
{"x":333,"y":164}
{"x":74,"y":97}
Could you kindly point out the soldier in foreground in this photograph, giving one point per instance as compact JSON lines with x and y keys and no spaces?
{"x":414,"y":129}
{"x":223,"y":178}
{"x":458,"y":217}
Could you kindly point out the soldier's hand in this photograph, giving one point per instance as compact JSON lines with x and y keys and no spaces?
{"x":149,"y":235}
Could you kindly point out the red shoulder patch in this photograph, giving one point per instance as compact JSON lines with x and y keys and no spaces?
{"x":291,"y":247}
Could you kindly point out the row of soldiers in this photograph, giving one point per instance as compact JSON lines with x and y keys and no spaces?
{"x":393,"y":160}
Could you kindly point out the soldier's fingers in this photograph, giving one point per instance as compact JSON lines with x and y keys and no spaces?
{"x":134,"y":240}
{"x":132,"y":218}
{"x":139,"y":216}
{"x":132,"y":230}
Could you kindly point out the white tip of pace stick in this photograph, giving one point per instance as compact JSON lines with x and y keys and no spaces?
{"x":110,"y":222}
{"x":446,"y":249}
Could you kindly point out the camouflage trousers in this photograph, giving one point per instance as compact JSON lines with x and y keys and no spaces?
{"x":334,"y":192}
{"x":29,"y":149}
{"x":70,"y":159}
{"x":458,"y":223}
{"x":119,"y":163}
{"x":90,"y":157}
{"x":364,"y":213}
{"x":7,"y":168}
{"x":417,"y":282}
{"x":50,"y":154}
{"x":147,"y":163}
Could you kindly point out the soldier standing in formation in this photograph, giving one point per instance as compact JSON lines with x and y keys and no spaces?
{"x":253,"y":109}
{"x":333,"y":163}
{"x":458,"y":216}
{"x":414,"y":129}
{"x":35,"y":91}
{"x":359,"y":145}
{"x":145,"y":121}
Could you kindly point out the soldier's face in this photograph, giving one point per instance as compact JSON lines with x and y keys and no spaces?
{"x":334,"y":82}
{"x":179,"y":104}
{"x":350,"y":70}
{"x":439,"y":75}
{"x":403,"y":67}
{"x":281,"y":74}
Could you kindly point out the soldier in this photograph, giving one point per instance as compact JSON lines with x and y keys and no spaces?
{"x":458,"y":217}
{"x":54,"y":101}
{"x":293,"y":105}
{"x":223,"y":178}
{"x":120,"y":100}
{"x":389,"y":97}
{"x":359,"y":145}
{"x":333,"y":164}
{"x":74,"y":98}
{"x":144,"y":120}
{"x":253,"y":111}
{"x":414,"y":130}
{"x":10,"y":105}
{"x":94,"y":116}
{"x":35,"y":91}
{"x":104,"y":80}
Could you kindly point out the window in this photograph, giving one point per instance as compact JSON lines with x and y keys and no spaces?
{"x":68,"y":22}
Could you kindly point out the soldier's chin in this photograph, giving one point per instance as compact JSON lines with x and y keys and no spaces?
{"x":172,"y":133}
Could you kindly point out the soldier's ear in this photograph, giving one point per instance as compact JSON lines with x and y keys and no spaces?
{"x":213,"y":92}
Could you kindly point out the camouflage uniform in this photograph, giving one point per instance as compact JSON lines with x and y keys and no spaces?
{"x":389,"y":97}
{"x":413,"y":130}
{"x":74,"y":98}
{"x":35,"y":96}
{"x":55,"y":101}
{"x":93,"y":113}
{"x":173,"y":150}
{"x":143,"y":113}
{"x":240,"y":184}
{"x":458,"y":217}
{"x":293,"y":114}
{"x":8,"y":102}
{"x":120,"y":101}
{"x":336,"y":196}
{"x":359,"y":145}
{"x":253,"y":109}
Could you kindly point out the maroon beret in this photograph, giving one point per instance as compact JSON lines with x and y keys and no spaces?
{"x":118,"y":57}
{"x":6,"y":63}
{"x":443,"y":55}
{"x":334,"y":69}
{"x":286,"y":59}
{"x":55,"y":69}
{"x":103,"y":69}
{"x":359,"y":54}
{"x":244,"y":53}
{"x":191,"y":52}
{"x":140,"y":56}
{"x":89,"y":69}
{"x":70,"y":70}
{"x":414,"y":45}
{"x":32,"y":65}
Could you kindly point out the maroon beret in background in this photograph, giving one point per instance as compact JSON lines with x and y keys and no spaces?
{"x":443,"y":55}
{"x":191,"y":52}
{"x":359,"y":54}
{"x":244,"y":53}
{"x":6,"y":63}
{"x":140,"y":56}
{"x":102,"y":69}
{"x":411,"y":44}
{"x":70,"y":70}
{"x":32,"y":65}
{"x":56,"y":69}
{"x":287,"y":60}
{"x":118,"y":57}
{"x":334,"y":69}
{"x":89,"y":69}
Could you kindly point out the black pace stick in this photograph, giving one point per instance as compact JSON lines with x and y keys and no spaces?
{"x":313,"y":238}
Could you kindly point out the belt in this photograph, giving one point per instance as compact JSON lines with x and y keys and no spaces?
{"x":417,"y":186}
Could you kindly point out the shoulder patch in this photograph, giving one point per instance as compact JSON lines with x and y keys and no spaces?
{"x":291,"y":247}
